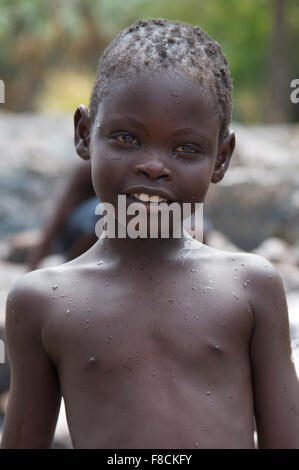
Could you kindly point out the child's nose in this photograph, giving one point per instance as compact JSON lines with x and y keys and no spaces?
{"x":154,"y":170}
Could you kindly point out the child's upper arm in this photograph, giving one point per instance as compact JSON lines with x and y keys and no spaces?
{"x":34,"y":397}
{"x":275,"y":383}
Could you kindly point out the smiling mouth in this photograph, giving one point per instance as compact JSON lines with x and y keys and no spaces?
{"x":148,"y":197}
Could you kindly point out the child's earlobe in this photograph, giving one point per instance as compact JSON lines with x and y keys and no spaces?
{"x":82,"y":131}
{"x":223,"y":158}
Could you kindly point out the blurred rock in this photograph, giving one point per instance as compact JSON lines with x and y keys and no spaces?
{"x":276,"y":251}
{"x":252,"y":204}
{"x":51,"y":261}
{"x":20,"y":245}
{"x":296,"y":252}
{"x":44,"y":143}
{"x":221,"y":242}
{"x":9,"y":273}
{"x":267,"y":146}
{"x":4,"y":248}
{"x":33,"y":167}
{"x":290,"y":276}
{"x":281,"y":254}
{"x":259,"y":195}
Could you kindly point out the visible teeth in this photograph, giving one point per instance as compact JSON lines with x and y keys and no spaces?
{"x":156,"y":199}
{"x":143,"y":197}
{"x":147,"y":198}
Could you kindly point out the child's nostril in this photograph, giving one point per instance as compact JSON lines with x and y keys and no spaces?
{"x":165,"y":175}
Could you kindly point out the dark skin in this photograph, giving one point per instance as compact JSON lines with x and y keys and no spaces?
{"x":150,"y":344}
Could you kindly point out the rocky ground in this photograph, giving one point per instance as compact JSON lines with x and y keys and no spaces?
{"x":254,"y":209}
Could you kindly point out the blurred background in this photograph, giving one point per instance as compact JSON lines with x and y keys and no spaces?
{"x":49,"y":52}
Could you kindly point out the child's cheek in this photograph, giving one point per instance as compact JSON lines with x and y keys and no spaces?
{"x":106,"y":174}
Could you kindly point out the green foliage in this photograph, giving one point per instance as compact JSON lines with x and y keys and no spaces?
{"x":39,"y":37}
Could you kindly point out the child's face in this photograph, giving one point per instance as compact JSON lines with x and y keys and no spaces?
{"x":156,"y":134}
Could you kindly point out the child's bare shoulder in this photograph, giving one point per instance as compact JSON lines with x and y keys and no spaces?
{"x":32,"y":284}
{"x":249,"y":264}
{"x":30,"y":294}
{"x":259,"y":279}
{"x":265,"y":287}
{"x":256,"y":272}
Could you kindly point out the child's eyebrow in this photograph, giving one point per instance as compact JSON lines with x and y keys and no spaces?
{"x":204,"y":139}
{"x":188,"y":130}
{"x":121,"y":121}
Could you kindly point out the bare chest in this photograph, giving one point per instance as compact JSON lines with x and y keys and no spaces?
{"x":123,"y":322}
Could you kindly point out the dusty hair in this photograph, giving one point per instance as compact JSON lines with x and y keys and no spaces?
{"x":159,"y":44}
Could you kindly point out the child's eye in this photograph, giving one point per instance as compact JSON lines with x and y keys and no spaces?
{"x":186,"y":148}
{"x":125,"y":139}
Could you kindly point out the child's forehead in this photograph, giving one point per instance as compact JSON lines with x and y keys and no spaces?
{"x":162,"y":79}
{"x":160,"y":90}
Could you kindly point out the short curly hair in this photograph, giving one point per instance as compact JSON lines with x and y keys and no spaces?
{"x":159,"y":44}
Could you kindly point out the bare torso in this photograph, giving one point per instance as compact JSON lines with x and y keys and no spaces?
{"x":153,"y":355}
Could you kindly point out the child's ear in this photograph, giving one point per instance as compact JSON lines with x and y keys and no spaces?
{"x":224,"y":155}
{"x":82,"y":131}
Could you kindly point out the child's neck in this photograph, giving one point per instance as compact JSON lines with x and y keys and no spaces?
{"x":142,"y":249}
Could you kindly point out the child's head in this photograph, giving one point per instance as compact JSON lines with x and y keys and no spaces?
{"x":159,"y":116}
{"x":160,"y":44}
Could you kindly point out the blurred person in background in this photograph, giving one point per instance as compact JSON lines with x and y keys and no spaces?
{"x":70,"y":229}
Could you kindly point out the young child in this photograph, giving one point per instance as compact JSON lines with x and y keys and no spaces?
{"x":150,"y":344}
